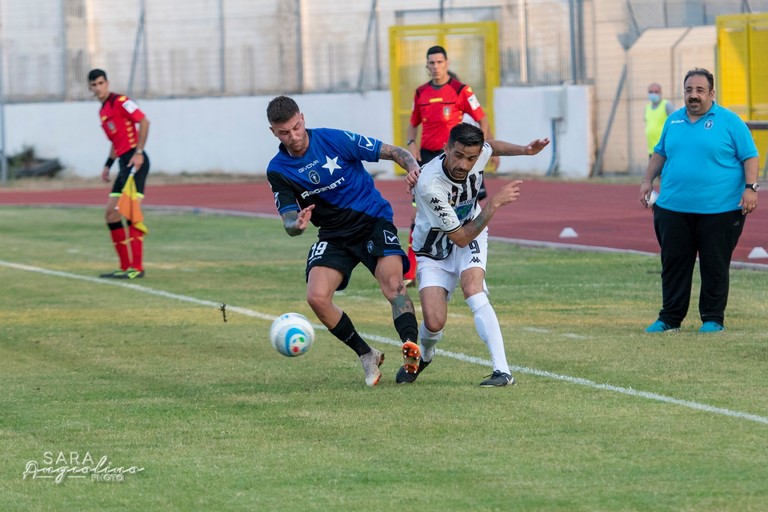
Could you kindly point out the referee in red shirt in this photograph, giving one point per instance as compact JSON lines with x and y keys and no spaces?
{"x":438,"y":106}
{"x":119,"y":117}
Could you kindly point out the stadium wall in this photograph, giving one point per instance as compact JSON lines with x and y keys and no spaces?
{"x":231,"y":134}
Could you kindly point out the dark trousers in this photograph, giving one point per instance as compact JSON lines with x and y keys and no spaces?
{"x":681,"y":237}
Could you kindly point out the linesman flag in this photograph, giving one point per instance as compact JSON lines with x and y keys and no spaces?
{"x":129,"y":205}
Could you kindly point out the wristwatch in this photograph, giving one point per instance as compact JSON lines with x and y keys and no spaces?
{"x":753,"y":186}
{"x":139,"y":151}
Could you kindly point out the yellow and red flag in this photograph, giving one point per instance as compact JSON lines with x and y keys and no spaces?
{"x":129,"y":205}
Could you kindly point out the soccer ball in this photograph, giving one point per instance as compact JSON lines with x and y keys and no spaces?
{"x":291,"y":334}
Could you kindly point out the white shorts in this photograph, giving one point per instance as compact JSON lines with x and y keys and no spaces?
{"x":447,"y":273}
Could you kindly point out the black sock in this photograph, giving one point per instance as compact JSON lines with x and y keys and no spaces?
{"x":346,"y":332}
{"x":407,"y":327}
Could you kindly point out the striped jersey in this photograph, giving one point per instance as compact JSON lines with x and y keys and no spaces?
{"x":444,"y":205}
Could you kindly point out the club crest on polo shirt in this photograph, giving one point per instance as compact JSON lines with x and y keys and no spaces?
{"x":708,"y":124}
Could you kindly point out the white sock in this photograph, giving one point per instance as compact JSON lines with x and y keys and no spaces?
{"x":428,"y":340}
{"x":488,"y":328}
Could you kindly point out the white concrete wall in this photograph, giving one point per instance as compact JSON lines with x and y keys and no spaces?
{"x":232,"y":134}
{"x":526,"y":113}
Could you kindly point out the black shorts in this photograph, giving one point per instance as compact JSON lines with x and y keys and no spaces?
{"x":344,"y":255}
{"x":427,"y":155}
{"x":140,"y":177}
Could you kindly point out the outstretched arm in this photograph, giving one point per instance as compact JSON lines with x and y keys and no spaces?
{"x":502,"y":148}
{"x":469,"y":231}
{"x":488,"y":134}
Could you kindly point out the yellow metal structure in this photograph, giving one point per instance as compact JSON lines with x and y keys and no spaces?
{"x":742,"y":73}
{"x":473,"y":54}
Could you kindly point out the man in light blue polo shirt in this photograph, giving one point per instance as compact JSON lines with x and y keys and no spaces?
{"x":708,"y":186}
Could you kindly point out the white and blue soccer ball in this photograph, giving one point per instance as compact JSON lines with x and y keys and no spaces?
{"x":292,"y":334}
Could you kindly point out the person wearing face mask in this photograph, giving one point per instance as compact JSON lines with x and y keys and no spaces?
{"x":656,"y":112}
{"x":451,"y":241}
{"x":707,"y":161}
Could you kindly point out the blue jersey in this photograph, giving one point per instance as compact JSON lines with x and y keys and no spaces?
{"x":704,"y":167}
{"x":331,"y":176}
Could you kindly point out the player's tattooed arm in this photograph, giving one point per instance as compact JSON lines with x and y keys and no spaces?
{"x":289,"y":223}
{"x":296,"y":222}
{"x":400,"y":156}
{"x":469,"y":231}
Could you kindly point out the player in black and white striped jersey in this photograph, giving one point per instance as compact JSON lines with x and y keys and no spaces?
{"x":451,"y":240}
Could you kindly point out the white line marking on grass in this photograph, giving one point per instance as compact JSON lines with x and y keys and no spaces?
{"x":585,"y":382}
{"x":389,"y":341}
{"x":137,"y":287}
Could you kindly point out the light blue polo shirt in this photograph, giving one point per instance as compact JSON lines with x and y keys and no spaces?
{"x":704,"y":171}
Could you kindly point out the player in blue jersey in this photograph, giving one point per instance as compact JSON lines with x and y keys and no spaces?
{"x":317,"y":176}
{"x":707,"y":161}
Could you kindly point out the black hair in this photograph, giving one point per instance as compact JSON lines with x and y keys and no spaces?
{"x":281,"y":109}
{"x":701,"y":72}
{"x":95,"y":74}
{"x":437,"y":49}
{"x":467,"y":135}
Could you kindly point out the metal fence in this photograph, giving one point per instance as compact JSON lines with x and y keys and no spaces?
{"x":187,"y":48}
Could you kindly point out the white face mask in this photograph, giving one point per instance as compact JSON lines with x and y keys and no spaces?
{"x":654,"y":97}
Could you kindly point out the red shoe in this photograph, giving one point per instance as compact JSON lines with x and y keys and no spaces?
{"x":411,"y":356}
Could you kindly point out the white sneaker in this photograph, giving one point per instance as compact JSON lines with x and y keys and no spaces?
{"x":371,"y":362}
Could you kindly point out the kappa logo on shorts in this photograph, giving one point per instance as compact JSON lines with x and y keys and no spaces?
{"x":391,"y":238}
{"x":475,"y":259}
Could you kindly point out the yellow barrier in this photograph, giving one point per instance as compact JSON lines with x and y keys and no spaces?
{"x":473,"y":52}
{"x":742,"y":74}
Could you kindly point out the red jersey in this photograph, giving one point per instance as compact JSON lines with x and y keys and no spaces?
{"x":438,"y":109}
{"x":119,"y":115}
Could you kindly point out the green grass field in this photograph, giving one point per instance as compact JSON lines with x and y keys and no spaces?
{"x":147,"y":374}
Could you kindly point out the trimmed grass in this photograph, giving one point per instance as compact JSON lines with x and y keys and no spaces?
{"x":220,"y":421}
